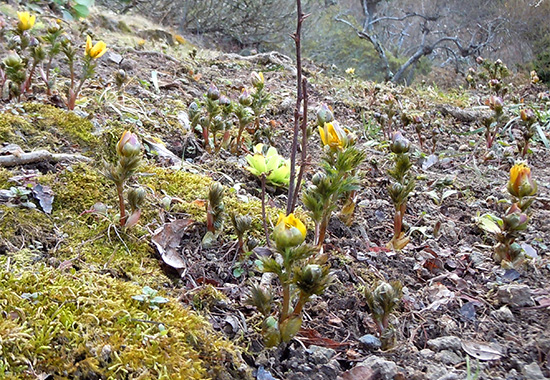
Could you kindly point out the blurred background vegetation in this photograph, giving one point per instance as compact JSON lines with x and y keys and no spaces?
{"x":447,"y":35}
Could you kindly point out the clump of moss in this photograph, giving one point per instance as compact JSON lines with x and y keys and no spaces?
{"x":13,"y":128}
{"x":63,"y":124}
{"x":79,"y":187}
{"x":23,"y":227}
{"x":5,"y":175}
{"x":48,"y":127}
{"x":82,"y":325}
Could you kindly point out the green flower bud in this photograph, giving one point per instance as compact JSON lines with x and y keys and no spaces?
{"x":289,"y":232}
{"x":324,"y":115}
{"x":399,"y":143}
{"x":213,"y":92}
{"x":128,"y":145}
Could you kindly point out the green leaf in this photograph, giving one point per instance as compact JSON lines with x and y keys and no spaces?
{"x":489,"y":223}
{"x":86,"y":3}
{"x":542,"y":136}
{"x":81,"y":11}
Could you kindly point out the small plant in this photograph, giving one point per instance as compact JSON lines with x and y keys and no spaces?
{"x":382,"y":302}
{"x":129,"y":151}
{"x":493,"y":123}
{"x":338,"y":178}
{"x":260,"y":98}
{"x":20,"y":66}
{"x":241,"y":224}
{"x":386,"y":118}
{"x":215,"y":214}
{"x":508,"y":229}
{"x":269,"y":166}
{"x":301,"y":274}
{"x":212,"y":116}
{"x":403,"y":184}
{"x":490,"y":74}
{"x":53,"y":39}
{"x":91,"y":53}
{"x":528,"y":122}
{"x":149,"y":296}
{"x":418,"y":122}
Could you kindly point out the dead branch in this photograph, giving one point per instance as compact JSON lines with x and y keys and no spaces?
{"x":39,"y":156}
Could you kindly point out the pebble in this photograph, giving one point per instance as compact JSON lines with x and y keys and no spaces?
{"x":503,"y":314}
{"x":445,"y":343}
{"x":533,"y":372}
{"x":370,"y":342}
{"x":448,"y":357}
{"x":515,"y":295}
{"x":386,"y":369}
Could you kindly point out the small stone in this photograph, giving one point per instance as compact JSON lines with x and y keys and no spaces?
{"x":448,"y":357}
{"x":449,"y":376}
{"x":533,"y":372}
{"x":445,"y":343}
{"x":463,"y":147}
{"x":370,"y":342}
{"x":320,"y":355}
{"x":515,"y":295}
{"x":503,"y":314}
{"x":427,"y":353}
{"x":385,"y":368}
{"x":105,"y":354}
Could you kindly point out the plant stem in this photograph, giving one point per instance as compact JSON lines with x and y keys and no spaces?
{"x":286,"y":302}
{"x":119,"y":190}
{"x":264,"y":218}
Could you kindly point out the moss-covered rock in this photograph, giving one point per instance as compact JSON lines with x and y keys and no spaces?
{"x":83,"y":325}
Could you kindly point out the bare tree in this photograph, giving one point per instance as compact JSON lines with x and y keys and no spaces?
{"x":435,"y":30}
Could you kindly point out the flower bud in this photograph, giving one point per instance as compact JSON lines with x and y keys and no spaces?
{"x":213,"y":92}
{"x":480,"y":60}
{"x":399,"y":143}
{"x":136,"y":197}
{"x":245,"y":99}
{"x":521,"y":184}
{"x":495,"y":103}
{"x":257,"y":79}
{"x":318,"y":178}
{"x":324,"y":114}
{"x":128,"y":145}
{"x":515,"y":219}
{"x":224,"y":101}
{"x":289,"y":232}
{"x":193,"y":109}
{"x":527,"y":115}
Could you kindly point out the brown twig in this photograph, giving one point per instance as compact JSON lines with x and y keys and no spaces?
{"x":39,"y":156}
{"x":300,"y":96}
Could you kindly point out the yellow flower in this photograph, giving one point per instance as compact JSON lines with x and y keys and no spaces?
{"x":257,"y":79}
{"x":289,"y":231}
{"x":350,"y":70}
{"x":26,"y":21}
{"x":97,"y":50}
{"x":334,"y":136}
{"x":521,"y":184}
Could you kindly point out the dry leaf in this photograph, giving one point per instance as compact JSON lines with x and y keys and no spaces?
{"x":167,"y":239}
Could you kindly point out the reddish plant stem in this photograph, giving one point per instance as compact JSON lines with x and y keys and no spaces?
{"x":121,"y":204}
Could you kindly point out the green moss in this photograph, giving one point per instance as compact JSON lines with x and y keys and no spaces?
{"x":82,"y":325}
{"x":63,"y":124}
{"x":48,"y":127}
{"x":23,"y":227}
{"x":14,"y":129}
{"x":79,"y":187}
{"x":5,"y":174}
